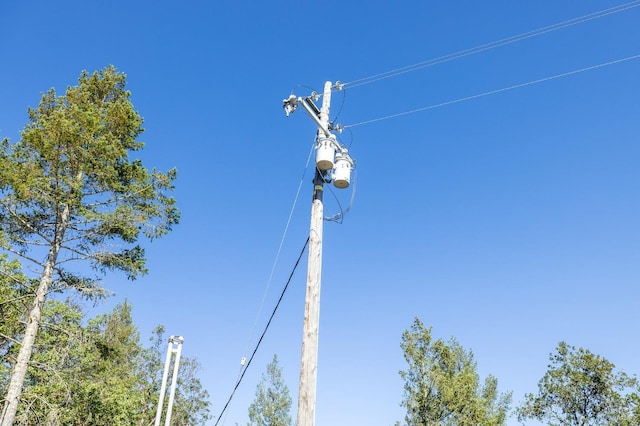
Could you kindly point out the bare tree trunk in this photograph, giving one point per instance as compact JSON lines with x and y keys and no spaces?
{"x":14,"y":390}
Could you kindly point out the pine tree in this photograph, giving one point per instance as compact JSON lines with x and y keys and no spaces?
{"x":69,"y":192}
{"x":272,"y":404}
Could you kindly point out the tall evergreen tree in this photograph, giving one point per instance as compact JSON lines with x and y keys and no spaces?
{"x":272,"y":404}
{"x":69,"y":191}
{"x":442,"y":386}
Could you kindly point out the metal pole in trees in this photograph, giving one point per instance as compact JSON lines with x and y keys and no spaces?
{"x":163,"y":386}
{"x":309,"y":364}
{"x":171,"y":349}
{"x":174,"y":380}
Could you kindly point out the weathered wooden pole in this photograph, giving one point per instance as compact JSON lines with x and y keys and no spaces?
{"x":309,"y":364}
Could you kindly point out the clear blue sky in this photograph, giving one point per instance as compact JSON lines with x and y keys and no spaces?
{"x":508,"y":221}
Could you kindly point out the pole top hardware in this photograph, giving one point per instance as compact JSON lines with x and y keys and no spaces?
{"x":290,"y":104}
{"x":176,"y":339}
{"x":332,"y":158}
{"x":337,"y":127}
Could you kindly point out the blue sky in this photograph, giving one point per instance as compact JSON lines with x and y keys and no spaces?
{"x":509,"y":221}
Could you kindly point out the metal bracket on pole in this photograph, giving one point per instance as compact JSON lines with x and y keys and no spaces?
{"x":314,"y":113}
{"x":291,"y":103}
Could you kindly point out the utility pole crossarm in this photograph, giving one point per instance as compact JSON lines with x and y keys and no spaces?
{"x":309,"y":106}
{"x":291,"y":103}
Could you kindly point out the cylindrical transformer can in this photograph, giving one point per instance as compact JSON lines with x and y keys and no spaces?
{"x":325,"y":154}
{"x":342,"y":171}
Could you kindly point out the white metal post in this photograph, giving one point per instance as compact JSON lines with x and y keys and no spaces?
{"x":309,"y":364}
{"x":171,"y":349}
{"x":174,"y":381}
{"x":163,"y":387}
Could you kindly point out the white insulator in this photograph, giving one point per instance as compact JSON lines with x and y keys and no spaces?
{"x":342,"y":171}
{"x":325,"y":154}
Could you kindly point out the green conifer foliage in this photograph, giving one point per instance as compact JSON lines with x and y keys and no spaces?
{"x":69,"y":191}
{"x":272,"y":404}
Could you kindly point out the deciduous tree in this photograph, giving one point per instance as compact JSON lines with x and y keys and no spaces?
{"x":442,"y":386}
{"x":580,"y":389}
{"x":69,"y":191}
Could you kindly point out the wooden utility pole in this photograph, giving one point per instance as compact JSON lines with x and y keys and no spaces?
{"x":309,"y":365}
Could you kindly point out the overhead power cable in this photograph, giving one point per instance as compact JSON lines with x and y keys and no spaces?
{"x":275,"y":262}
{"x":493,"y":92}
{"x":273,"y":313}
{"x":491,"y":45}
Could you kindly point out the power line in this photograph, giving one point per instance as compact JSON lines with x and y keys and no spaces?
{"x":273,"y":313}
{"x":491,"y":45}
{"x":339,"y":217}
{"x":275,"y":263}
{"x":493,"y":92}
